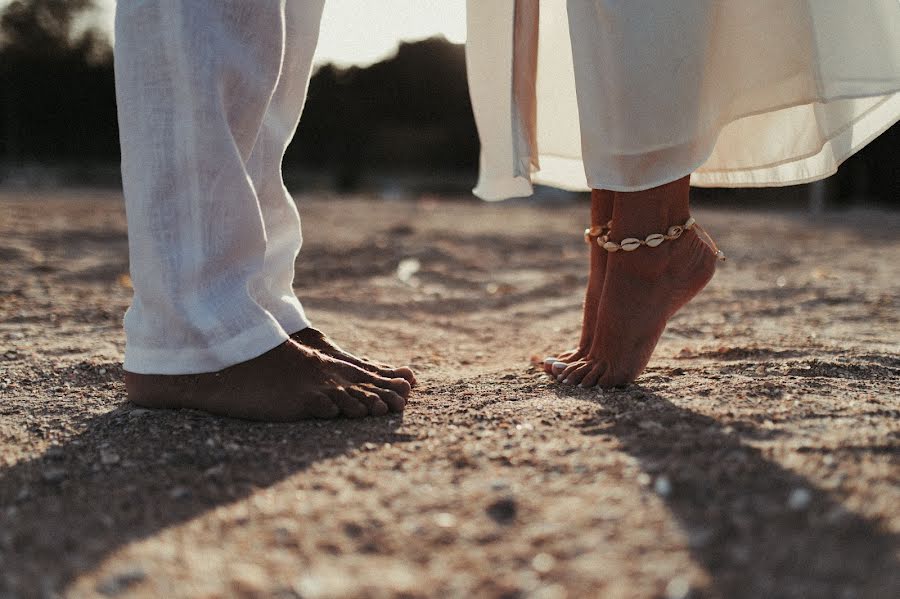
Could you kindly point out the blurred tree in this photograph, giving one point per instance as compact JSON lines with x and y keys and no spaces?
{"x":45,"y":28}
{"x":57,"y":83}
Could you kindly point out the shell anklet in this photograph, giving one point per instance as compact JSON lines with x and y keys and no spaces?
{"x":629,"y":244}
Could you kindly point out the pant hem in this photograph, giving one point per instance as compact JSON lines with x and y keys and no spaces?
{"x":197,"y":360}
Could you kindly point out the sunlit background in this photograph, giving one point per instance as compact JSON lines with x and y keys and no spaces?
{"x":354,"y":32}
{"x":388,"y":109}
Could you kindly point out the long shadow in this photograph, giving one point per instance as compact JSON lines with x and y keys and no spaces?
{"x":759,"y":529}
{"x":131,"y":473}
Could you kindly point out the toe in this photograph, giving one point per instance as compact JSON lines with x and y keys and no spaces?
{"x":549,"y":361}
{"x":394,"y":401}
{"x":373,"y":403}
{"x":558,"y":367}
{"x":349,"y":406}
{"x":404,"y":373}
{"x":319,"y":405}
{"x":569,"y":370}
{"x":579,"y":373}
{"x":612,"y":378}
{"x":355,"y":374}
{"x":398,"y":385}
{"x":593,"y":375}
{"x":570,"y":356}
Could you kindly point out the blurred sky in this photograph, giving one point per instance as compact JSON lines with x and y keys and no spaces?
{"x":363,"y":31}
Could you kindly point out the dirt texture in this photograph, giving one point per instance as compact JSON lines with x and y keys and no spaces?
{"x":757,"y":456}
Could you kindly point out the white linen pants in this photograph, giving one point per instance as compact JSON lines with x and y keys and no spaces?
{"x":209,"y":95}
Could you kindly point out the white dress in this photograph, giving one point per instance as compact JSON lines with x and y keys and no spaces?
{"x":627,"y":95}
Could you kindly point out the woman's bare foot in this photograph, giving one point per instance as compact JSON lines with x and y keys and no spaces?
{"x":643,"y":288}
{"x":316,"y":339}
{"x":289,"y":382}
{"x":601,"y":213}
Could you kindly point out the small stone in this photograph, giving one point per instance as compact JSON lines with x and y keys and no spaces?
{"x":445,"y":520}
{"x":102,"y":371}
{"x":108,"y":458}
{"x":179,"y":492}
{"x":662,"y":486}
{"x":407,"y":268}
{"x":499,"y":485}
{"x":214,"y":470}
{"x":678,"y":588}
{"x":249,"y":580}
{"x":799,"y":499}
{"x":117,"y":583}
{"x":503,"y":511}
{"x":54,"y":475}
{"x":543,"y":562}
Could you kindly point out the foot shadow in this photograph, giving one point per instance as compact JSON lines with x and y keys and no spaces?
{"x":757,"y":528}
{"x":131,"y":473}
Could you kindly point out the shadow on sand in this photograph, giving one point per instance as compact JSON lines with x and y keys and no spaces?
{"x":131,"y":473}
{"x":758,"y":529}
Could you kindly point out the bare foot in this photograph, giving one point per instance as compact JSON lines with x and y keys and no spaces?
{"x":316,"y":339}
{"x":643,"y":289}
{"x":601,"y":212}
{"x":289,"y":382}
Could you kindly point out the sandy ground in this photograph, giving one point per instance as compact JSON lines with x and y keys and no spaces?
{"x":756,"y":457}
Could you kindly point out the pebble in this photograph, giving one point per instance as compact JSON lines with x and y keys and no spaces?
{"x":249,"y":580}
{"x":543,"y":562}
{"x":678,"y":588}
{"x":662,"y":486}
{"x":115,"y":584}
{"x":799,"y":499}
{"x":503,"y":511}
{"x":179,"y":492}
{"x":108,"y":458}
{"x":498,"y":484}
{"x":54,"y":475}
{"x":445,"y":520}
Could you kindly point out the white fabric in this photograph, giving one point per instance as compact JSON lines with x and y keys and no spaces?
{"x":632,"y":94}
{"x":209,"y":95}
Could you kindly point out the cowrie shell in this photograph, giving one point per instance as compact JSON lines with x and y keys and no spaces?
{"x":690,"y":223}
{"x":654,"y":240}
{"x":675,"y":232}
{"x":630,"y":244}
{"x":611,"y":246}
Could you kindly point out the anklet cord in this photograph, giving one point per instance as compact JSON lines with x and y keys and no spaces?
{"x":629,"y":244}
{"x":596,"y":231}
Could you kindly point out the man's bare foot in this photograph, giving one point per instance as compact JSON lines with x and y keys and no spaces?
{"x":601,"y":213}
{"x":289,"y":382}
{"x":316,"y":339}
{"x":642,"y":288}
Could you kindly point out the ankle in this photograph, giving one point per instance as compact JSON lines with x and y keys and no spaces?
{"x":638,"y":214}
